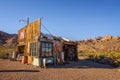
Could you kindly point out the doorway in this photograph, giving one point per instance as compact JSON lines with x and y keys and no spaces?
{"x":70,"y":51}
{"x":21,"y":49}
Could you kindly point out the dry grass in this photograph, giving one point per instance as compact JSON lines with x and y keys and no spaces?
{"x":4,"y":51}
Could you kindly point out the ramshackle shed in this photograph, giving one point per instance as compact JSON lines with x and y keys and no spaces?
{"x":36,"y":47}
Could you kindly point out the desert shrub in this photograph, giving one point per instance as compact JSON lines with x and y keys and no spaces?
{"x":4,"y":51}
{"x":2,"y":54}
{"x":112,"y":57}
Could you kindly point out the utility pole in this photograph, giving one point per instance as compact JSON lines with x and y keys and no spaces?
{"x":27,"y":20}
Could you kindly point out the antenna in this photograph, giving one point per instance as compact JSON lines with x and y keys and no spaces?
{"x":26,"y":21}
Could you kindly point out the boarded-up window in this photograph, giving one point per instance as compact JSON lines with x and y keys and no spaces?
{"x":47,"y":49}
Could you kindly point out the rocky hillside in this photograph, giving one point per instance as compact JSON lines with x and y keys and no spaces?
{"x":8,"y":40}
{"x":106,"y":43}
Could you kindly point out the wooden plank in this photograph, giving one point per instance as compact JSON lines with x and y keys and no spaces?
{"x":29,"y":33}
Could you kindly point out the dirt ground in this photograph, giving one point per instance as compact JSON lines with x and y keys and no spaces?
{"x":80,"y":70}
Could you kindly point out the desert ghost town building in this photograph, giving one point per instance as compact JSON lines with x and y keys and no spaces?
{"x":36,"y":47}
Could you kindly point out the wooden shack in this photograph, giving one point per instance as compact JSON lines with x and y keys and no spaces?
{"x":37,"y":46}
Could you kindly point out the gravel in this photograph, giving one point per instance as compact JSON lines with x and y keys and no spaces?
{"x":80,"y":70}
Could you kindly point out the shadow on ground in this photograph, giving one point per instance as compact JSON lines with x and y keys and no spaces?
{"x":19,"y":70}
{"x":82,"y":64}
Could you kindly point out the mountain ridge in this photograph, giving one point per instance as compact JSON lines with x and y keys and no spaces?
{"x":8,"y":40}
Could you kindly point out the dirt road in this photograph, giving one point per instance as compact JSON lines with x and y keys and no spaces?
{"x":81,"y":70}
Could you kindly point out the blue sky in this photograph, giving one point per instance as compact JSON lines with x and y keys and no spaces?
{"x":73,"y":19}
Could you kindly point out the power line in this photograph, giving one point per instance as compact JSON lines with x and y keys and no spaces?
{"x":47,"y":30}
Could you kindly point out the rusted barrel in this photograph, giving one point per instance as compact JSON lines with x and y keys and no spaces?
{"x":30,"y":59}
{"x":24,"y":59}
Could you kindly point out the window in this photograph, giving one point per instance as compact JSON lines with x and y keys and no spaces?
{"x":47,"y":49}
{"x":33,"y":49}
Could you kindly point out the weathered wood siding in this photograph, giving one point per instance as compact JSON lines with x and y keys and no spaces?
{"x":29,"y":33}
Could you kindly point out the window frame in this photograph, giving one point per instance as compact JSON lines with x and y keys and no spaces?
{"x":47,"y":46}
{"x":33,"y":49}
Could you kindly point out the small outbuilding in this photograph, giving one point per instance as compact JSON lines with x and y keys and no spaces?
{"x":38,"y":48}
